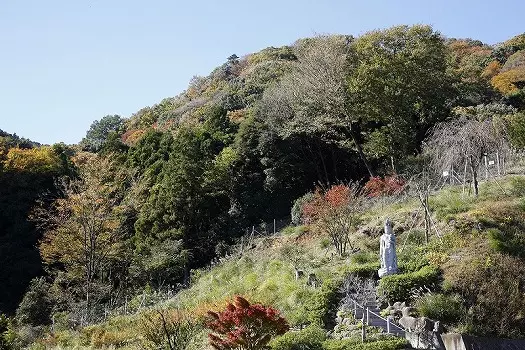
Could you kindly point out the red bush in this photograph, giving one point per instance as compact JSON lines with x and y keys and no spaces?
{"x":338,"y":195}
{"x":244,"y":326}
{"x":387,"y":186}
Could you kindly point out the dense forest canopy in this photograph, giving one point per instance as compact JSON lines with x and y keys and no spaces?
{"x":142,"y":201}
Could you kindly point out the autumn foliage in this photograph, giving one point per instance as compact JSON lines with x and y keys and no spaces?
{"x":244,"y":326}
{"x":387,"y":186}
{"x":321,"y":203}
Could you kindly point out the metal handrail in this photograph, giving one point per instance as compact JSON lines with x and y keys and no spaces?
{"x":389,"y":323}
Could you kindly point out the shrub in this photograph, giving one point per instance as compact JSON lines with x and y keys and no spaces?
{"x":492,"y":287}
{"x":446,"y":308}
{"x":387,"y":186}
{"x":297,"y":208}
{"x":368,"y":270}
{"x":310,"y":338}
{"x":355,"y":344}
{"x":399,"y":287}
{"x":172,"y":329}
{"x":363,"y":258}
{"x":244,"y":326}
{"x":337,"y":212}
{"x":320,"y":306}
{"x":4,"y":329}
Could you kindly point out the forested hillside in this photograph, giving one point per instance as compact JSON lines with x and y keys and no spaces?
{"x":142,"y":201}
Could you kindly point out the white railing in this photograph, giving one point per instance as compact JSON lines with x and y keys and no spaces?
{"x":391,"y":328}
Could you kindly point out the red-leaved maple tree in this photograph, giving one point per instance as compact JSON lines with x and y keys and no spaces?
{"x":244,"y":326}
{"x":387,"y":186}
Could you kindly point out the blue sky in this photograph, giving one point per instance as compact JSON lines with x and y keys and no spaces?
{"x":66,"y":63}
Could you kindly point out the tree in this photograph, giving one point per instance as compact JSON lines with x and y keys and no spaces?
{"x":336,"y":212}
{"x":37,"y":304}
{"x":398,"y":84}
{"x":100,"y":130}
{"x":83,"y":230}
{"x":245,"y":326}
{"x":464,"y":142}
{"x":313,"y":97}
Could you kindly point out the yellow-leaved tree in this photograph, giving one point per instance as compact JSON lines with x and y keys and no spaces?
{"x":83,"y":235}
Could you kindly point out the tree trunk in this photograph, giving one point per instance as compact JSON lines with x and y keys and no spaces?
{"x":360,"y":151}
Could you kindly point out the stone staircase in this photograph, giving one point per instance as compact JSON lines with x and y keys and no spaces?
{"x":369,"y":312}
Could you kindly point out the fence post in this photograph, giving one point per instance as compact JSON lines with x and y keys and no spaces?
{"x":367,"y":316}
{"x":497,"y":162}
{"x":355,"y":309}
{"x":388,"y":324}
{"x":363,"y":329}
{"x":486,"y":167}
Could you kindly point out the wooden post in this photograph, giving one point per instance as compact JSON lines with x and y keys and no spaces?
{"x":497,"y":163}
{"x":464,"y":176}
{"x":486,"y":167}
{"x":363,"y":329}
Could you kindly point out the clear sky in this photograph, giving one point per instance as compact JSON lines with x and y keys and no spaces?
{"x":66,"y":63}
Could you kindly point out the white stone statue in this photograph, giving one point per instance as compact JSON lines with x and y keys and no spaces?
{"x":387,"y":251}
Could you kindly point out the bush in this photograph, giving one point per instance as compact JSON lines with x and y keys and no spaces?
{"x":387,"y":186}
{"x":492,"y":287}
{"x":368,"y":270}
{"x":518,"y":186}
{"x":445,"y":308}
{"x":169,"y":328}
{"x":310,"y":338}
{"x":320,"y":307}
{"x":244,"y":326}
{"x":355,"y":344}
{"x":399,"y":287}
{"x":363,"y":258}
{"x":297,"y":208}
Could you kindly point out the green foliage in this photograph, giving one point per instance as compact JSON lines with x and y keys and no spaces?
{"x":518,"y":186}
{"x":402,"y":60}
{"x":450,"y":202}
{"x":448,"y":309}
{"x":36,"y":306}
{"x":366,"y":270}
{"x":100,"y":131}
{"x":363,"y":257}
{"x":320,"y":307}
{"x":399,"y":287}
{"x":311,"y":338}
{"x":168,"y":329}
{"x":492,"y":288}
{"x":4,"y":333}
{"x":355,"y":344}
{"x":297,"y":208}
{"x":516,"y":129}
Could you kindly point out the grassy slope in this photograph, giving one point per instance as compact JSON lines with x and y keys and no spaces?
{"x":265,"y":272}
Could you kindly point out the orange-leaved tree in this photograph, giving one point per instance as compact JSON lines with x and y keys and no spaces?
{"x":244,"y":326}
{"x":336,"y":212}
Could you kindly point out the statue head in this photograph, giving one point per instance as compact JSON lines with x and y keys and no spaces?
{"x":388,"y":227}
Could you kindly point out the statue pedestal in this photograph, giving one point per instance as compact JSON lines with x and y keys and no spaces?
{"x":386,"y":272}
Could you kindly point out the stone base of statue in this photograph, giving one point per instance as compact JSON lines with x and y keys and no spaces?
{"x":386,"y":272}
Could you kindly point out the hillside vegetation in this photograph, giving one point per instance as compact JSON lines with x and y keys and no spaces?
{"x":471,"y":292}
{"x":332,"y":133}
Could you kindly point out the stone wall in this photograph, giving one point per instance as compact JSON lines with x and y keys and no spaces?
{"x":454,"y":341}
